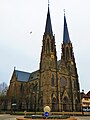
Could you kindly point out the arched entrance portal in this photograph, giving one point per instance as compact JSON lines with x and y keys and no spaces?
{"x":76,"y":106}
{"x":66,"y":106}
{"x":53,"y":104}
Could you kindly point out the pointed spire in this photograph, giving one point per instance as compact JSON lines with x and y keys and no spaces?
{"x":48,"y":28}
{"x":66,"y":38}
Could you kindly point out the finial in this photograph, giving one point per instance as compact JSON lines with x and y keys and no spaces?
{"x":14,"y":67}
{"x":48,"y":3}
{"x":64,"y":12}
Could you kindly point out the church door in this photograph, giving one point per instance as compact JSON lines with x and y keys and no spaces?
{"x":53,"y":104}
{"x":66,"y":104}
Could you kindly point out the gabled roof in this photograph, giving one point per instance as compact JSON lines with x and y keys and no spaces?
{"x":34,"y":75}
{"x":22,"y":76}
{"x":83,"y":95}
{"x":66,"y":38}
{"x":48,"y":28}
{"x":88,"y":94}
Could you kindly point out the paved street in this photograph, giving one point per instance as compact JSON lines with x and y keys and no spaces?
{"x":7,"y":117}
{"x":13,"y":117}
{"x":83,"y":118}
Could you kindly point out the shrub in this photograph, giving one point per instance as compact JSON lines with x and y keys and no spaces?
{"x":49,"y":117}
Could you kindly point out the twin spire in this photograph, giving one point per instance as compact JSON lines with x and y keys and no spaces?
{"x":66,"y":38}
{"x":48,"y":28}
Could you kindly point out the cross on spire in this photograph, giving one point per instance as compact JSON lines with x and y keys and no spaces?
{"x":48,"y":3}
{"x":64,"y":12}
{"x":48,"y":28}
{"x":66,"y":38}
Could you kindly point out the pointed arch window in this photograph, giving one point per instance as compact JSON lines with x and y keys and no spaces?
{"x":67,"y":52}
{"x":22,"y":88}
{"x":66,"y":105}
{"x":71,"y":51}
{"x":48,"y":47}
{"x":51,"y":46}
{"x":53,"y":104}
{"x":43,"y":45}
{"x":63,"y":52}
{"x":52,"y":80}
{"x":76,"y":105}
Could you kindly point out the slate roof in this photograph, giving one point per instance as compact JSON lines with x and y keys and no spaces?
{"x":66,"y":38}
{"x":26,"y":76}
{"x":48,"y":28}
{"x":22,"y":76}
{"x":34,"y":75}
{"x":88,"y":94}
{"x":83,"y":95}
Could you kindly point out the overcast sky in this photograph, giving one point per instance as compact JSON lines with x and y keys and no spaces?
{"x":20,"y":49}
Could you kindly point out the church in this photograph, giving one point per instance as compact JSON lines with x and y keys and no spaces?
{"x":54,"y":84}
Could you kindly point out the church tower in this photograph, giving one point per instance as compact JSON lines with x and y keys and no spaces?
{"x":48,"y":67}
{"x":69,"y":85}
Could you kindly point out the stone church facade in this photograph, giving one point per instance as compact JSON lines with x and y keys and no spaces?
{"x":54,"y":84}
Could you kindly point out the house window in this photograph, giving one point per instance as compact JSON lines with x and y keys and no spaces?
{"x":86,"y":98}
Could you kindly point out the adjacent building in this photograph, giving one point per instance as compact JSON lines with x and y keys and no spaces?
{"x":85,"y":101}
{"x":55,"y":83}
